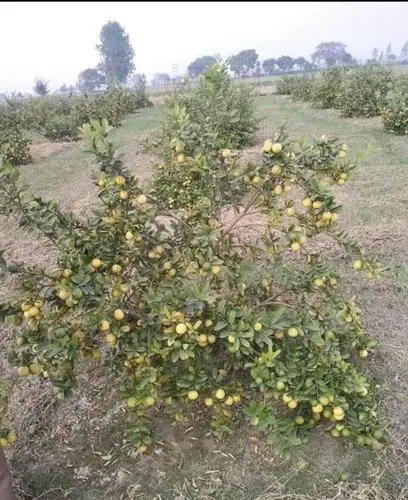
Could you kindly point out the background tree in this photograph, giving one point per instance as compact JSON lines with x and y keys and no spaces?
{"x":404,"y":50}
{"x":285,"y":63}
{"x":269,"y":66}
{"x":330,"y":54}
{"x":242,"y":62}
{"x":63,"y":89}
{"x":374,"y":53}
{"x":300,"y":62}
{"x":116,"y":53}
{"x":161,"y":79}
{"x":199,"y":65}
{"x":389,"y":55}
{"x":90,"y":80}
{"x":41,"y":87}
{"x":137,"y":80}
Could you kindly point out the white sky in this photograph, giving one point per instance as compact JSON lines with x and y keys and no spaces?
{"x":56,"y":40}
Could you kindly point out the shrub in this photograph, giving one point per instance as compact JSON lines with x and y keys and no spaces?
{"x":329,"y":88}
{"x":286,"y":84}
{"x":216,"y":113}
{"x":395,"y":114}
{"x":14,"y":148}
{"x":189,"y":315}
{"x":61,"y":128}
{"x":365,"y":91}
{"x":303,"y":89}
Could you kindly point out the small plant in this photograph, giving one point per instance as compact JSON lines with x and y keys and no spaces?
{"x":365,"y":91}
{"x":395,"y":114}
{"x":61,"y":129}
{"x":286,"y":84}
{"x":14,"y":148}
{"x":329,"y":88}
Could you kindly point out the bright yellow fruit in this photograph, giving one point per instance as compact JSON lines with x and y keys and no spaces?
{"x":340,"y":182}
{"x":307,"y":202}
{"x":215,"y":269}
{"x":129,"y":235}
{"x":208,"y":401}
{"x":3,"y":443}
{"x":226,"y":153}
{"x":96,"y":263}
{"x":208,"y":323}
{"x":267,"y":147}
{"x":142,"y":448}
{"x":220,"y":394}
{"x":120,"y":180}
{"x":236,"y":398}
{"x":149,"y":401}
{"x":192,"y":395}
{"x":324,"y":400}
{"x":181,"y":329}
{"x":318,"y":282}
{"x":116,"y":269}
{"x":231,"y":339}
{"x":203,"y":339}
{"x":132,"y":402}
{"x":293,"y":332}
{"x":34,"y":311}
{"x":357,"y":265}
{"x":317,"y":204}
{"x":276,"y":148}
{"x":25,"y":307}
{"x":119,"y":314}
{"x":291,"y":211}
{"x":124,"y":195}
{"x":276,"y":170}
{"x":212,"y":339}
{"x":141,"y":199}
{"x":229,"y":401}
{"x":258,"y":327}
{"x":11,"y":437}
{"x":181,"y":158}
{"x":23,"y":371}
{"x":104,"y":326}
{"x":66,"y":273}
{"x":363,"y":353}
{"x":326,"y":216}
{"x":278,"y":190}
{"x":292,"y":404}
{"x":286,"y":398}
{"x":110,"y":338}
{"x":256,"y":180}
{"x":317,"y":408}
{"x":35,"y":369}
{"x":295,"y":246}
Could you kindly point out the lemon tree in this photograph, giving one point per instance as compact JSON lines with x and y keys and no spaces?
{"x":184,"y":309}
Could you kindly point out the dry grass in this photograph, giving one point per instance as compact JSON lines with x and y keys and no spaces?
{"x":75,"y":450}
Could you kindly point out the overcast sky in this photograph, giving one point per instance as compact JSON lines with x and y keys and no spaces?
{"x":56,"y":40}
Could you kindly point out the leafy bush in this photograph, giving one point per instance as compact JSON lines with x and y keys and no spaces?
{"x":61,"y":128}
{"x":365,"y":91}
{"x":184,"y":310}
{"x":286,"y":84}
{"x":329,"y":88}
{"x":395,"y":114}
{"x":14,"y":148}
{"x":216,"y":113}
{"x":303,"y":89}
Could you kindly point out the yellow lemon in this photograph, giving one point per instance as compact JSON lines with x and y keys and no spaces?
{"x":181,"y":329}
{"x":104,"y":326}
{"x":276,"y":148}
{"x":23,"y":371}
{"x":119,"y":314}
{"x":220,"y":394}
{"x":192,"y":395}
{"x":141,"y":199}
{"x":208,"y":401}
{"x":96,"y":263}
{"x":258,"y":327}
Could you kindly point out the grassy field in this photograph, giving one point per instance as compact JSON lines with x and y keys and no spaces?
{"x":74,"y":450}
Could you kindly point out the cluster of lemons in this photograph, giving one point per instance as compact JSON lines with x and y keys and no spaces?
{"x":105,"y":327}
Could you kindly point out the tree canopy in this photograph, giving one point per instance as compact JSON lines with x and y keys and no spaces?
{"x":331,"y":54}
{"x":199,"y":65}
{"x":90,"y":80}
{"x":116,"y":53}
{"x":244,"y":61}
{"x":41,"y":87}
